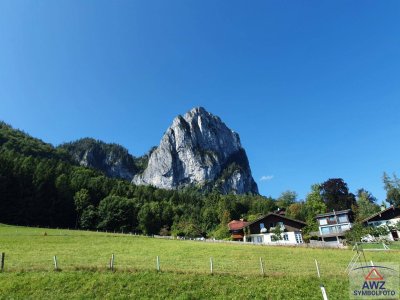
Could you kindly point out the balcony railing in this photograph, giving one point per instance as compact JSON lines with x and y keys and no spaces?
{"x":333,"y":232}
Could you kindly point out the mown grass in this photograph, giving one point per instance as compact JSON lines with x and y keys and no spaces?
{"x":185,"y":266}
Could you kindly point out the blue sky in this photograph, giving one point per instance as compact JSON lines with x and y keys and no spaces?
{"x":312,"y":87}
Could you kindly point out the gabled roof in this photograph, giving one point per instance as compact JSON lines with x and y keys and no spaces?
{"x":274,"y":214}
{"x":380,"y":213}
{"x":237,"y":224}
{"x":333,"y":213}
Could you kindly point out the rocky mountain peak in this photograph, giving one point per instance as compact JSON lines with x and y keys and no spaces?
{"x":199,"y":149}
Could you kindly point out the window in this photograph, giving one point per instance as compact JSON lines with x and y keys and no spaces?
{"x":279,"y":224}
{"x":285,"y":237}
{"x":324,"y":230}
{"x":262,"y":225}
{"x":345,"y":227}
{"x":343,"y":219}
{"x":299,"y":238}
{"x":271,"y":224}
{"x":259,"y":239}
{"x":323,"y":221}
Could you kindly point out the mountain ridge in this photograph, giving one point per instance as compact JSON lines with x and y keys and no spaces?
{"x":199,"y":149}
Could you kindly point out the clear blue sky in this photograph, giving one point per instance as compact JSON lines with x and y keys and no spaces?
{"x":312,"y":87}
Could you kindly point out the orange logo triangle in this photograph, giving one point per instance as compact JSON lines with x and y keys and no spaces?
{"x":374,"y":275}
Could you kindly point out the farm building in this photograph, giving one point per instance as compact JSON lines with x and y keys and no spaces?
{"x":265,"y":230}
{"x":236,"y":229}
{"x":333,"y":225}
{"x":388,"y":217}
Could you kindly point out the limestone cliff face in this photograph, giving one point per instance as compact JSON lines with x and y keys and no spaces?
{"x":112,"y":159}
{"x":199,"y":149}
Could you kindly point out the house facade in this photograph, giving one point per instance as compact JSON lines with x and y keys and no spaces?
{"x":271,"y":228}
{"x":236,"y":229}
{"x":332,"y":226}
{"x":388,"y":217}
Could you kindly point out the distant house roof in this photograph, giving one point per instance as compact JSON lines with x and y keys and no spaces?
{"x":274,"y":214}
{"x":334,"y":213}
{"x":237,"y":224}
{"x":281,"y":212}
{"x":389,"y":213}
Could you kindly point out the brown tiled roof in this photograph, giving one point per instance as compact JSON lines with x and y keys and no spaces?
{"x":236,"y":224}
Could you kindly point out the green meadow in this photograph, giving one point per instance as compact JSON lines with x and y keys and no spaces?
{"x":83,"y":260}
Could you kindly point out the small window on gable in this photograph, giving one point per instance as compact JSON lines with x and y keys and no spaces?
{"x":262,"y":225}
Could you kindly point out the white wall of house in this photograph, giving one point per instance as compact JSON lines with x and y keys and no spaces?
{"x":291,"y":237}
{"x":390,"y":222}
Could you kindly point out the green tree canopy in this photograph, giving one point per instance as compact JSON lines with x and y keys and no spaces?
{"x":366,"y":204}
{"x":286,"y":199}
{"x":392,"y":187}
{"x":117,"y":213}
{"x":336,"y":195}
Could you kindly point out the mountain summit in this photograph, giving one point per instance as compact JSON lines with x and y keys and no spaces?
{"x":199,"y":149}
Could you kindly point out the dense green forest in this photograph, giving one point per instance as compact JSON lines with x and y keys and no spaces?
{"x":42,"y":185}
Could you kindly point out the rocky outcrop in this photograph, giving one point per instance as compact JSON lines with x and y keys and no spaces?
{"x":112,"y":159}
{"x":199,"y":149}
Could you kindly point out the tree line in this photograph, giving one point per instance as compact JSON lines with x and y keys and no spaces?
{"x":41,"y":186}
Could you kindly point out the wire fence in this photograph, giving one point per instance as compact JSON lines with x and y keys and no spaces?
{"x":49,"y":250}
{"x":115,"y":262}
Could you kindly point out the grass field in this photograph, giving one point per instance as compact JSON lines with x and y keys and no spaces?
{"x":83,"y":258}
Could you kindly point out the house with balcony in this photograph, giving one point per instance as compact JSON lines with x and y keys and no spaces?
{"x":388,"y":217}
{"x":332,"y":226}
{"x":236,"y":229}
{"x":264,"y":230}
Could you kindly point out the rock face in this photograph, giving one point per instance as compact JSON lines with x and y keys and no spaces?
{"x":199,"y":149}
{"x":112,"y":159}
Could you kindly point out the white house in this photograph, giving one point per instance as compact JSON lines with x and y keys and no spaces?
{"x":388,"y":217}
{"x":332,"y":226}
{"x":262,"y":230}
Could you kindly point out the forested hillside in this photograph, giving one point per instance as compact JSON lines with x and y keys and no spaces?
{"x":41,"y":185}
{"x":44,"y":185}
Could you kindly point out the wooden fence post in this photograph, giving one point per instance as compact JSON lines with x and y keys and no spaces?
{"x":3,"y":255}
{"x":158,"y":263}
{"x":112,"y":262}
{"x":211,"y":266}
{"x":262,"y":266}
{"x":55,"y":263}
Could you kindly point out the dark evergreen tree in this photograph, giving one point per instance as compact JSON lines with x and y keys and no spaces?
{"x":336,"y":196}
